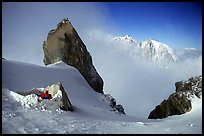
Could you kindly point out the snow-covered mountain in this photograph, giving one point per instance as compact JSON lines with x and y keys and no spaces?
{"x":149,"y":49}
{"x":91,"y":112}
{"x":125,"y":39}
{"x":154,"y":50}
{"x":157,"y":51}
{"x":187,"y":53}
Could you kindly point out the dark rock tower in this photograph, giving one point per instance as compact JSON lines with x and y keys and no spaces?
{"x":63,"y":43}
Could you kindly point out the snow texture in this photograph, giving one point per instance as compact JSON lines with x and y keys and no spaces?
{"x":92,"y":114}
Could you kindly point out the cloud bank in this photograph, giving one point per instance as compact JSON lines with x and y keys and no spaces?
{"x":137,"y":84}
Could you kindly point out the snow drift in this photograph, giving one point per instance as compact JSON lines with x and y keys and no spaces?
{"x":92,"y":113}
{"x":22,"y":77}
{"x":58,"y":97}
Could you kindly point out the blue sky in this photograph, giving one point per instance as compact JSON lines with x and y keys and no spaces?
{"x":176,"y":23}
{"x":25,"y":24}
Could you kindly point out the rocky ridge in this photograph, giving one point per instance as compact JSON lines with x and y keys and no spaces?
{"x":179,"y":102}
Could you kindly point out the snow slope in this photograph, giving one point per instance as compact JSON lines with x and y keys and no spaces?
{"x":91,"y":113}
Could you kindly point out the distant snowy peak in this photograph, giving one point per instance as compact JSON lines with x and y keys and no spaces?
{"x":157,"y":51}
{"x":153,"y":44}
{"x":190,"y":49}
{"x":154,"y":50}
{"x":125,"y":39}
{"x":187,"y":53}
{"x":149,"y":49}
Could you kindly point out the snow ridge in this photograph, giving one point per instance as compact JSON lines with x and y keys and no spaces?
{"x":126,"y":39}
{"x":157,"y":51}
{"x":149,"y":49}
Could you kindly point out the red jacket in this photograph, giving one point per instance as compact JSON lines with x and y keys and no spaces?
{"x":45,"y":96}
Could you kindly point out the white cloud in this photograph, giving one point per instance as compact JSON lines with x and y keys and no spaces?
{"x":135,"y":83}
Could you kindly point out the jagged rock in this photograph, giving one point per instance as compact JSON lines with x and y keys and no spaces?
{"x":66,"y":104}
{"x":194,"y":84}
{"x":59,"y":96}
{"x":112,"y":102}
{"x":120,"y":109}
{"x":179,"y":102}
{"x":176,"y":104}
{"x":180,"y":86}
{"x":63,"y":43}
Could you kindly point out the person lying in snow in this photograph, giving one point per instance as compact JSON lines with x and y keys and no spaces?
{"x":45,"y":95}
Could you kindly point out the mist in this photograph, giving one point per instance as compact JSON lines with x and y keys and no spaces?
{"x":139,"y":85}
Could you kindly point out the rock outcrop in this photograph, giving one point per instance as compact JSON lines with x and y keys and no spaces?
{"x":65,"y":102}
{"x":59,"y":96}
{"x":179,"y":102}
{"x":192,"y":85}
{"x":63,"y":43}
{"x":112,"y":102}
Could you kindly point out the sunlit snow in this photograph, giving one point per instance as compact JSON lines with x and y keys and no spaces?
{"x":23,"y":114}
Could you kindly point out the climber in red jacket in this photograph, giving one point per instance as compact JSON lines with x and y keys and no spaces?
{"x":45,"y":95}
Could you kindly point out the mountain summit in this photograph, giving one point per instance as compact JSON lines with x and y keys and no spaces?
{"x":125,"y":39}
{"x":149,"y":49}
{"x":63,"y":43}
{"x":157,"y":51}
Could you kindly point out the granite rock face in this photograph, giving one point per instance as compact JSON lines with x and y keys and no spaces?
{"x":63,"y":43}
{"x":179,"y":102}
